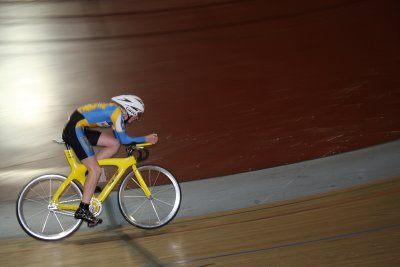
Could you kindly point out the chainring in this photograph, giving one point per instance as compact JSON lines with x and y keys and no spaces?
{"x":95,"y":206}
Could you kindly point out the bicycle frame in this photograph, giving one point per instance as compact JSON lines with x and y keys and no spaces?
{"x":78,"y":171}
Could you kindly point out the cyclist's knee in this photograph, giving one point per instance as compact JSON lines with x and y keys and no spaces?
{"x":114,"y":145}
{"x":110,"y":144}
{"x":92,"y":166}
{"x":94,"y":170}
{"x":107,"y":141}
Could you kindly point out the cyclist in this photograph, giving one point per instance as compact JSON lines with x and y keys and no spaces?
{"x":78,"y":133}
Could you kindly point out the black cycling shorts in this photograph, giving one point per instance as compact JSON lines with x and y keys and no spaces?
{"x":81,"y":139}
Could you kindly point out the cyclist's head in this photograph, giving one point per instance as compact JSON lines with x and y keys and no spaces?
{"x":132,"y":104}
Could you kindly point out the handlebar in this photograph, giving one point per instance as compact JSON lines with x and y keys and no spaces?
{"x":143,"y":153}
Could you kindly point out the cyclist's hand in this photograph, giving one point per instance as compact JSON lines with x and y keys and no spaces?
{"x":152,"y":138}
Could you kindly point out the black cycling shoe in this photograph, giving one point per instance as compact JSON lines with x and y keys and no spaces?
{"x":87,"y":216}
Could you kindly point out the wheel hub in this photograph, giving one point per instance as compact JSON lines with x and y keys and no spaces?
{"x":52,"y":206}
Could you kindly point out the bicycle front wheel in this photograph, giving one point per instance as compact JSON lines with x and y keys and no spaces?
{"x":154,"y":211}
{"x":41,"y":219}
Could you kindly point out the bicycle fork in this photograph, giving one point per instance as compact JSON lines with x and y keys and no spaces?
{"x":142,"y":183}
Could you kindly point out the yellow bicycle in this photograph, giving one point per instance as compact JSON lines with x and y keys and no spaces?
{"x":149,"y":196}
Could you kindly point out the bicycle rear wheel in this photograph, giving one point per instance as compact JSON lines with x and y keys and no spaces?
{"x":160,"y":208}
{"x":38,"y":217}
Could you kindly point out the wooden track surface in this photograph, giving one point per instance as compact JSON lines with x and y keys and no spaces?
{"x":352,"y":227}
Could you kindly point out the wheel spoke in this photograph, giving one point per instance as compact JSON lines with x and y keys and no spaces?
{"x":50,"y":188}
{"x":45,"y":222}
{"x":141,"y":205}
{"x":37,"y":213}
{"x":44,"y":192}
{"x":155,"y":211}
{"x":166,"y":188}
{"x":59,"y":223}
{"x":33,"y":200}
{"x":155,"y":182}
{"x":149,"y":183}
{"x":161,"y":201}
{"x":39,"y":195}
{"x":66,"y":190}
{"x":133,"y":180}
{"x":66,"y":213}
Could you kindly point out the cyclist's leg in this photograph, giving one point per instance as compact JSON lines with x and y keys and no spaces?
{"x":92,"y":178}
{"x":110,"y":146}
{"x":90,"y":161}
{"x":91,"y":181}
{"x":76,"y":137}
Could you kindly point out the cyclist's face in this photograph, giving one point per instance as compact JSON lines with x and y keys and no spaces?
{"x":132,"y":119}
{"x":129,"y":119}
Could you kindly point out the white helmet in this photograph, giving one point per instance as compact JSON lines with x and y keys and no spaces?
{"x":131,"y":103}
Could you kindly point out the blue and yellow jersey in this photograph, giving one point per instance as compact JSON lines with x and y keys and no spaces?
{"x":106,"y":115}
